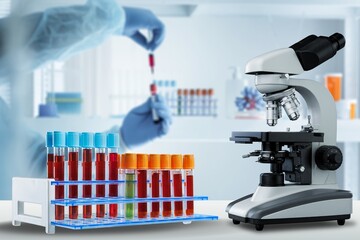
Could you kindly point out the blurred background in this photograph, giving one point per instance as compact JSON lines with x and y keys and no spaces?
{"x":207,"y":45}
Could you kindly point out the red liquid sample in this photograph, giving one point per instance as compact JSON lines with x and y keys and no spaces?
{"x":178,"y":211}
{"x":155,"y":192}
{"x":100,"y":189}
{"x":113,"y":188}
{"x":166,"y":192}
{"x":50,"y":165}
{"x":190,"y":193}
{"x":142,"y":192}
{"x":59,"y":190}
{"x":73,"y":176}
{"x":87,"y":172}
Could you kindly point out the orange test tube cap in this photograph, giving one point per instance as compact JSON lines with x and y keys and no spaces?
{"x":119,"y":160}
{"x":154,"y":162}
{"x":129,"y":161}
{"x":176,"y":161}
{"x":204,"y":92}
{"x":165,"y":161}
{"x":179,"y":91}
{"x":198,"y":91}
{"x":210,"y":92}
{"x":189,"y":162}
{"x":142,"y":161}
{"x":186,"y":92}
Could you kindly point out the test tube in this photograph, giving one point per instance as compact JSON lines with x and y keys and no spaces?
{"x":186,"y":102}
{"x":122,"y":184}
{"x":210,"y":93}
{"x":87,"y":143}
{"x":100,"y":161}
{"x":179,"y":101}
{"x":154,"y":166}
{"x":113,"y":143}
{"x":155,"y":116}
{"x":50,"y":154}
{"x":176,"y":166}
{"x":59,"y":144}
{"x":191,"y":102}
{"x":130,"y":165}
{"x":189,"y":182}
{"x":142,"y":167}
{"x":203,"y":102}
{"x":72,"y":142}
{"x":198,"y":102}
{"x":165,"y":165}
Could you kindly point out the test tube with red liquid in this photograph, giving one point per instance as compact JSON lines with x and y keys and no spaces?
{"x":72,"y":142}
{"x":188,"y":165}
{"x":113,"y":143}
{"x":59,"y":144}
{"x":165,"y":166}
{"x":177,"y":185}
{"x":100,"y":162}
{"x":142,"y":185}
{"x":154,"y":171}
{"x":153,"y":91}
{"x":87,"y":144}
{"x":50,"y":154}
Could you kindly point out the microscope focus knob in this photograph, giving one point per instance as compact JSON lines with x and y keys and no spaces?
{"x":328,"y":157}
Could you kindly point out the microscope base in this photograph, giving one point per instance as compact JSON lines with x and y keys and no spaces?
{"x":310,"y":204}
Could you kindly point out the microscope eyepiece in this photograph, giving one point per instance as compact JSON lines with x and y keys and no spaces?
{"x":337,"y":40}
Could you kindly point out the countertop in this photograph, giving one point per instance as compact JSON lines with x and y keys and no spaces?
{"x":221,"y":229}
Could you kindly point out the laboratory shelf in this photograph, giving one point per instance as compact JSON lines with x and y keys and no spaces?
{"x":80,"y":224}
{"x":116,"y":200}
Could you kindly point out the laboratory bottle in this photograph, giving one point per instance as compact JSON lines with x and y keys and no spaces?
{"x":198,"y":102}
{"x":113,"y":143}
{"x":50,"y":154}
{"x":177,"y":186}
{"x":179,"y":102}
{"x":192,"y":102}
{"x":154,"y":171}
{"x":142,"y":183}
{"x":165,"y":166}
{"x":59,"y":168}
{"x":185,"y":103}
{"x":73,"y":144}
{"x":188,"y":165}
{"x":87,"y":144}
{"x":130,"y":165}
{"x":100,"y":170}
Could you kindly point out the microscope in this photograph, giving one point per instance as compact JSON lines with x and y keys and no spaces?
{"x":301,"y":185}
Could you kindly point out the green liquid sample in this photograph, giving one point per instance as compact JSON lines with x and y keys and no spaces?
{"x":129,"y":193}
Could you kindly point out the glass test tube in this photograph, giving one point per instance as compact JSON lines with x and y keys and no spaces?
{"x":130,"y":165}
{"x":188,"y":165}
{"x":50,"y":154}
{"x":179,"y":101}
{"x":192,"y":102}
{"x":186,"y":102}
{"x":198,"y":102}
{"x":154,"y":166}
{"x":176,"y":166}
{"x":100,"y":161}
{"x":203,"y":102}
{"x":113,"y":143}
{"x":165,"y":165}
{"x":142,"y":185}
{"x":87,"y":143}
{"x":122,"y":185}
{"x":210,"y":93}
{"x":72,"y":142}
{"x":59,"y":144}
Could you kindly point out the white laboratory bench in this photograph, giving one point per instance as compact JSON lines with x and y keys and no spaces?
{"x":221,"y":229}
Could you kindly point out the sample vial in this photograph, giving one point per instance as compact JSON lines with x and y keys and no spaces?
{"x":100,"y":162}
{"x":130,"y":165}
{"x":50,"y":154}
{"x":185,"y":102}
{"x":72,"y":142}
{"x":59,"y":144}
{"x":155,"y":116}
{"x":165,"y":166}
{"x":210,"y":105}
{"x":203,"y":102}
{"x":192,"y":102}
{"x":87,"y":144}
{"x":121,"y":162}
{"x":179,"y":101}
{"x":142,"y":168}
{"x":113,"y":142}
{"x":154,"y":166}
{"x":198,"y":102}
{"x":176,"y":166}
{"x":188,"y":165}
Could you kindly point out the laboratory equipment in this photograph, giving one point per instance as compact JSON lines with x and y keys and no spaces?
{"x":307,"y":159}
{"x":155,"y":116}
{"x":100,"y":162}
{"x":130,"y":165}
{"x":165,"y":165}
{"x":66,"y":102}
{"x":113,"y":143}
{"x":189,"y":164}
{"x":59,"y":171}
{"x":333,"y":83}
{"x":142,"y":183}
{"x":50,"y":154}
{"x":177,"y":186}
{"x":154,"y":167}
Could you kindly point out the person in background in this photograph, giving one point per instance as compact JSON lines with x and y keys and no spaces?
{"x":57,"y":34}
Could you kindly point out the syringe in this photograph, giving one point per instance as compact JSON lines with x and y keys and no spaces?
{"x":153,"y":89}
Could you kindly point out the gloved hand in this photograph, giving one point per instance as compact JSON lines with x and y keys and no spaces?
{"x":136,"y":19}
{"x":138,"y":126}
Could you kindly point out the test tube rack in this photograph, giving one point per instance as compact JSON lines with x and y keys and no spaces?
{"x":42,"y":192}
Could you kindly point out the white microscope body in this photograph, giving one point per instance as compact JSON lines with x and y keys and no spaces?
{"x":311,"y":157}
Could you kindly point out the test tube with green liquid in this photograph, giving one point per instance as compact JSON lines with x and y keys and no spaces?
{"x":130,"y":165}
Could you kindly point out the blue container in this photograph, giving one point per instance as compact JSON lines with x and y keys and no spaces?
{"x":66,"y":102}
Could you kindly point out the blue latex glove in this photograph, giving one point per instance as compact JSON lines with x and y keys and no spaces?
{"x":136,"y":19}
{"x":138,"y":126}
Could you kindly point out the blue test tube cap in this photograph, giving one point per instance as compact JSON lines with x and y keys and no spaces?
{"x":159,"y":83}
{"x":113,"y":140}
{"x":87,"y":140}
{"x":59,"y":139}
{"x":100,"y":140}
{"x":173,"y":83}
{"x":166,"y":83}
{"x":73,"y":139}
{"x":49,"y":139}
